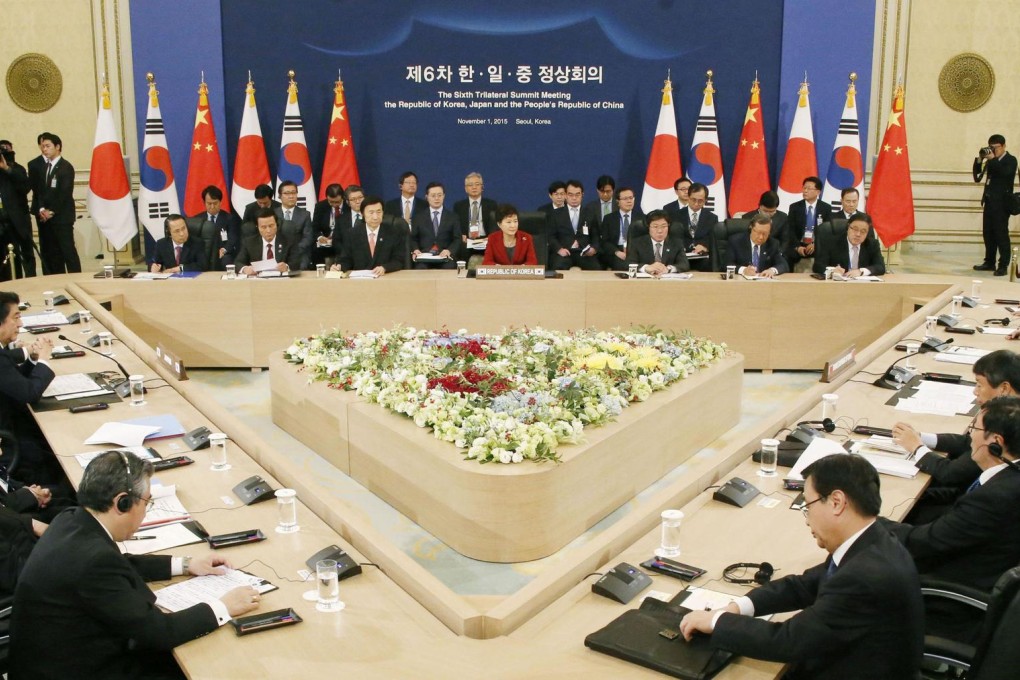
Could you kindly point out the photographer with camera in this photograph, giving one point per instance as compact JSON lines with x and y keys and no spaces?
{"x":15,"y":226}
{"x":996,"y":168}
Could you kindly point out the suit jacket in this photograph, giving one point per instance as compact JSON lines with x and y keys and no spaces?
{"x":673,"y":209}
{"x":249,"y":210}
{"x":21,"y":383}
{"x":642,"y":252}
{"x":462,"y":209}
{"x":254,"y":249}
{"x":592,"y":210}
{"x":974,"y":541}
{"x":211,"y":234}
{"x":865,"y":620}
{"x":780,"y":227}
{"x":342,"y":229}
{"x":609,"y":232}
{"x":702,"y":235}
{"x":524,"y":251}
{"x":797,"y":221}
{"x":56,"y":195}
{"x":395,"y":207}
{"x":390,"y":248}
{"x":998,"y":175}
{"x":424,"y":236}
{"x":770,"y":254}
{"x":13,"y":187}
{"x":193,"y":255}
{"x":956,"y":468}
{"x":837,"y":252}
{"x":561,"y":233}
{"x":108,"y":623}
{"x":298,"y":231}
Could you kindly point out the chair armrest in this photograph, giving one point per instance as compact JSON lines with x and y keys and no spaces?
{"x":950,"y":652}
{"x":948,"y":590}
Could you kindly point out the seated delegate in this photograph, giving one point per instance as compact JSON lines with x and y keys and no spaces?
{"x":509,"y":245}
{"x":858,"y":254}
{"x":178,"y":252}
{"x":657,"y":252}
{"x":755,"y":253}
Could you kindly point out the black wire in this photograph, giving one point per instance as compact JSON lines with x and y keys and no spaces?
{"x":373,"y":564}
{"x":282,"y":578}
{"x":594,"y":573}
{"x":714,"y":486}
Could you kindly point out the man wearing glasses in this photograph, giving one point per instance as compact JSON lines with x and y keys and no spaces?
{"x":861,"y":612}
{"x":997,"y":169}
{"x":295,"y":224}
{"x":77,"y":584}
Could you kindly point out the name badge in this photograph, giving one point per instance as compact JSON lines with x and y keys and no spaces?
{"x":53,"y":183}
{"x":584,"y":229}
{"x":223,"y":234}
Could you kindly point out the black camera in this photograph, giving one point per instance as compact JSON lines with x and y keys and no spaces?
{"x":8,"y":155}
{"x":985,"y":151}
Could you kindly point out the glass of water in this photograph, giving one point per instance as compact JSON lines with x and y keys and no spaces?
{"x":328,"y":581}
{"x":769,"y":457}
{"x":48,"y":301}
{"x":106,"y":343}
{"x":137,"y":385}
{"x":218,"y":452}
{"x":286,"y":500}
{"x":85,"y":316}
{"x":671,"y":521}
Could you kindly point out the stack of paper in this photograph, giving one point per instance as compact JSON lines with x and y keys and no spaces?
{"x":76,"y":384}
{"x":43,"y":319}
{"x":199,"y":589}
{"x":961,"y":355}
{"x":143,"y":452}
{"x":946,"y":399}
{"x":363,"y":274}
{"x":821,"y":447}
{"x":167,"y":507}
{"x":159,"y":538}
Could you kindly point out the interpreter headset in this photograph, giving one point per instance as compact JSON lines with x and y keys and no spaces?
{"x":827,"y":424}
{"x":762,"y":576}
{"x":124,"y":503}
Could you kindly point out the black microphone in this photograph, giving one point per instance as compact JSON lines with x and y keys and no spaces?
{"x":123,"y":389}
{"x":888,"y":380}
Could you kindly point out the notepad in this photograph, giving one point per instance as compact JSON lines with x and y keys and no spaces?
{"x":198,"y":589}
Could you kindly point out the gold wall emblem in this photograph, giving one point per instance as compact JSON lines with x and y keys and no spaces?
{"x":966,"y":82}
{"x":34,"y":82}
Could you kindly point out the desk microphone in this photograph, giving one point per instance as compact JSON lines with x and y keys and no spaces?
{"x":122,"y":389}
{"x":895,"y":376}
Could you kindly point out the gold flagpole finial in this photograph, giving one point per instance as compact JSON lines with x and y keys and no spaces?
{"x":105,"y":92}
{"x":153,"y":92}
{"x":709,"y":90}
{"x":292,"y":87}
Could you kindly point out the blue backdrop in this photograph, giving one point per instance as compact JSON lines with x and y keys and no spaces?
{"x":608,"y":128}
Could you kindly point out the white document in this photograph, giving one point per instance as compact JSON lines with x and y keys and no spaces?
{"x":362,"y":274}
{"x":888,"y":465}
{"x":677,"y":276}
{"x":163,"y":538}
{"x":263,"y":265}
{"x":44,"y":319}
{"x":939,"y":407}
{"x":996,"y":330}
{"x":71,"y":383}
{"x":428,"y":257}
{"x":121,"y":434}
{"x":820,"y":447}
{"x":477,"y":243}
{"x":198,"y":589}
{"x":140,"y":451}
{"x":151,"y":276}
{"x":167,"y":507}
{"x":961,"y":355}
{"x":878,"y":444}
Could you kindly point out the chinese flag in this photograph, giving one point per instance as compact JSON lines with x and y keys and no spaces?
{"x":340,"y":166}
{"x":891,"y":199}
{"x":750,"y":170}
{"x":204,"y":166}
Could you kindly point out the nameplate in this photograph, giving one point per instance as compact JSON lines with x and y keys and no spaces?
{"x":493,"y":272}
{"x":839,"y":364}
{"x":173,"y":362}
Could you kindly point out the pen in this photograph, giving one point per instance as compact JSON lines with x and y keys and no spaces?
{"x":141,"y":538}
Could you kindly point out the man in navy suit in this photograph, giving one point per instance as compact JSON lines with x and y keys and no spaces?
{"x":695,"y":224}
{"x":178,"y":252}
{"x":853,"y":252}
{"x":220,"y":231}
{"x":52,"y":181}
{"x":435,"y":232}
{"x":573,"y":238}
{"x":861,"y":614}
{"x":268,"y":245}
{"x":327,"y":215}
{"x":407,"y":206}
{"x":476,"y":214}
{"x":657,"y":252}
{"x":598,"y":210}
{"x":263,"y":199}
{"x":673,"y":208}
{"x":768,"y":204}
{"x":350,"y":218}
{"x":619,"y":228}
{"x":805,"y":216}
{"x":77,"y":581}
{"x":557,"y":197}
{"x":754,"y":253}
{"x":295,"y":224}
{"x":997,"y":169}
{"x":375,"y":246}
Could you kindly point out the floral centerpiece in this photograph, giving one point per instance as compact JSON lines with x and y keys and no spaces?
{"x":504,"y":398}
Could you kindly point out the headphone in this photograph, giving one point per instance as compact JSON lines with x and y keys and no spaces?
{"x":826,"y":424}
{"x":124,"y":503}
{"x":1004,"y":321}
{"x":995,"y":449}
{"x":762,"y":576}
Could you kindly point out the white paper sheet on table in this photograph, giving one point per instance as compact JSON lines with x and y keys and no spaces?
{"x":363,"y":274}
{"x":996,"y":330}
{"x":198,"y":589}
{"x":121,"y":434}
{"x":167,"y":507}
{"x":87,"y":457}
{"x":71,"y":383}
{"x":166,"y":536}
{"x":263,"y":265}
{"x":821,"y":447}
{"x":961,"y":355}
{"x":43,"y":319}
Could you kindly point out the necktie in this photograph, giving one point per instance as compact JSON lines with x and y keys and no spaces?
{"x":269,"y":251}
{"x":371,"y":243}
{"x":831,"y":569}
{"x":754,"y":257}
{"x":606,"y":208}
{"x":177,"y":255}
{"x":287,"y":214}
{"x":573,"y":219}
{"x":658,"y":251}
{"x":810,"y":217}
{"x":212,"y":218}
{"x":435,"y":222}
{"x":975,"y":485}
{"x":623,"y":229}
{"x":854,"y":255}
{"x":333,"y":216}
{"x":49,"y":172}
{"x":407,"y":211}
{"x":474,"y":212}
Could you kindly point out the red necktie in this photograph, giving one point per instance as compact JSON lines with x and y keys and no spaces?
{"x":269,"y":251}
{"x":177,"y":254}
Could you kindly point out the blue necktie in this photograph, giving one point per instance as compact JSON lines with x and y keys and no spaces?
{"x":831,"y":569}
{"x":811,"y":217}
{"x":975,"y":485}
{"x":754,"y":258}
{"x":623,"y":231}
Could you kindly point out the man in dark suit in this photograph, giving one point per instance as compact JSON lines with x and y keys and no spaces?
{"x":378,"y":247}
{"x":220,"y":231}
{"x":573,"y":240}
{"x":805,"y":216}
{"x":270,"y":244}
{"x":997,"y":169}
{"x":975,"y":540}
{"x":326,"y":215}
{"x":673,"y":208}
{"x":15,"y":202}
{"x":263,"y":199}
{"x":477,"y":215}
{"x":77,"y":581}
{"x":178,"y":252}
{"x":657,"y":253}
{"x":295,"y":224}
{"x":557,"y":198}
{"x":853,"y":252}
{"x":695,"y":224}
{"x":768,"y":204}
{"x":407,"y":205}
{"x":435,"y":232}
{"x":755,"y":253}
{"x":619,"y":228}
{"x":596,"y":211}
{"x":995,"y":375}
{"x":849,"y":199}
{"x":52,"y":182}
{"x":350,"y":218}
{"x":861,"y":614}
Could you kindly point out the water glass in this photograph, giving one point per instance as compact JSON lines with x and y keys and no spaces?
{"x":48,"y":301}
{"x":829,"y":272}
{"x":85,"y":317}
{"x":328,"y":596}
{"x":461,"y":268}
{"x":632,"y":271}
{"x":769,"y":457}
{"x":671,"y":520}
{"x":930,"y":324}
{"x":107,"y":271}
{"x":106,"y":343}
{"x":137,"y":385}
{"x":975,"y":289}
{"x":320,"y":271}
{"x":830,"y":406}
{"x":286,"y":500}
{"x":231,"y":272}
{"x":957,"y":305}
{"x":218,"y":452}
{"x":731,"y":272}
{"x":912,"y":349}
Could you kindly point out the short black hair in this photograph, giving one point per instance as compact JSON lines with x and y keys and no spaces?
{"x":266,"y":212}
{"x":110,"y":474}
{"x":851,"y":474}
{"x":432,"y":185}
{"x":1000,"y":366}
{"x":575,"y":183}
{"x":759,"y":218}
{"x":172,"y":217}
{"x":814,"y":180}
{"x":657,"y":215}
{"x":1002,"y":417}
{"x":769,"y":199}
{"x":862,"y":217}
{"x":997,"y":139}
{"x":696,"y":187}
{"x":625,"y":188}
{"x":212,"y":191}
{"x":49,"y":136}
{"x":404,"y":175}
{"x":284,"y":184}
{"x":263,"y":191}
{"x":370,"y":200}
{"x":334,"y":191}
{"x":556,"y":186}
{"x":681,"y":180}
{"x":849,"y":190}
{"x":505,"y":210}
{"x":605,"y":181}
{"x":6,"y":300}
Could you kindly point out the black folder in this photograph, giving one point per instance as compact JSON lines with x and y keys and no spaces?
{"x":634,"y":636}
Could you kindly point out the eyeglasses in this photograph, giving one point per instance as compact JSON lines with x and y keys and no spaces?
{"x":804,"y":508}
{"x":971,"y":428}
{"x":149,"y":502}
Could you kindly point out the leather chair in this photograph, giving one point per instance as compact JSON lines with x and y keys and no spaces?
{"x":720,"y":246}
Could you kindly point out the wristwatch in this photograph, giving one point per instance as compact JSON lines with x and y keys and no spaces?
{"x":185,"y":563}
